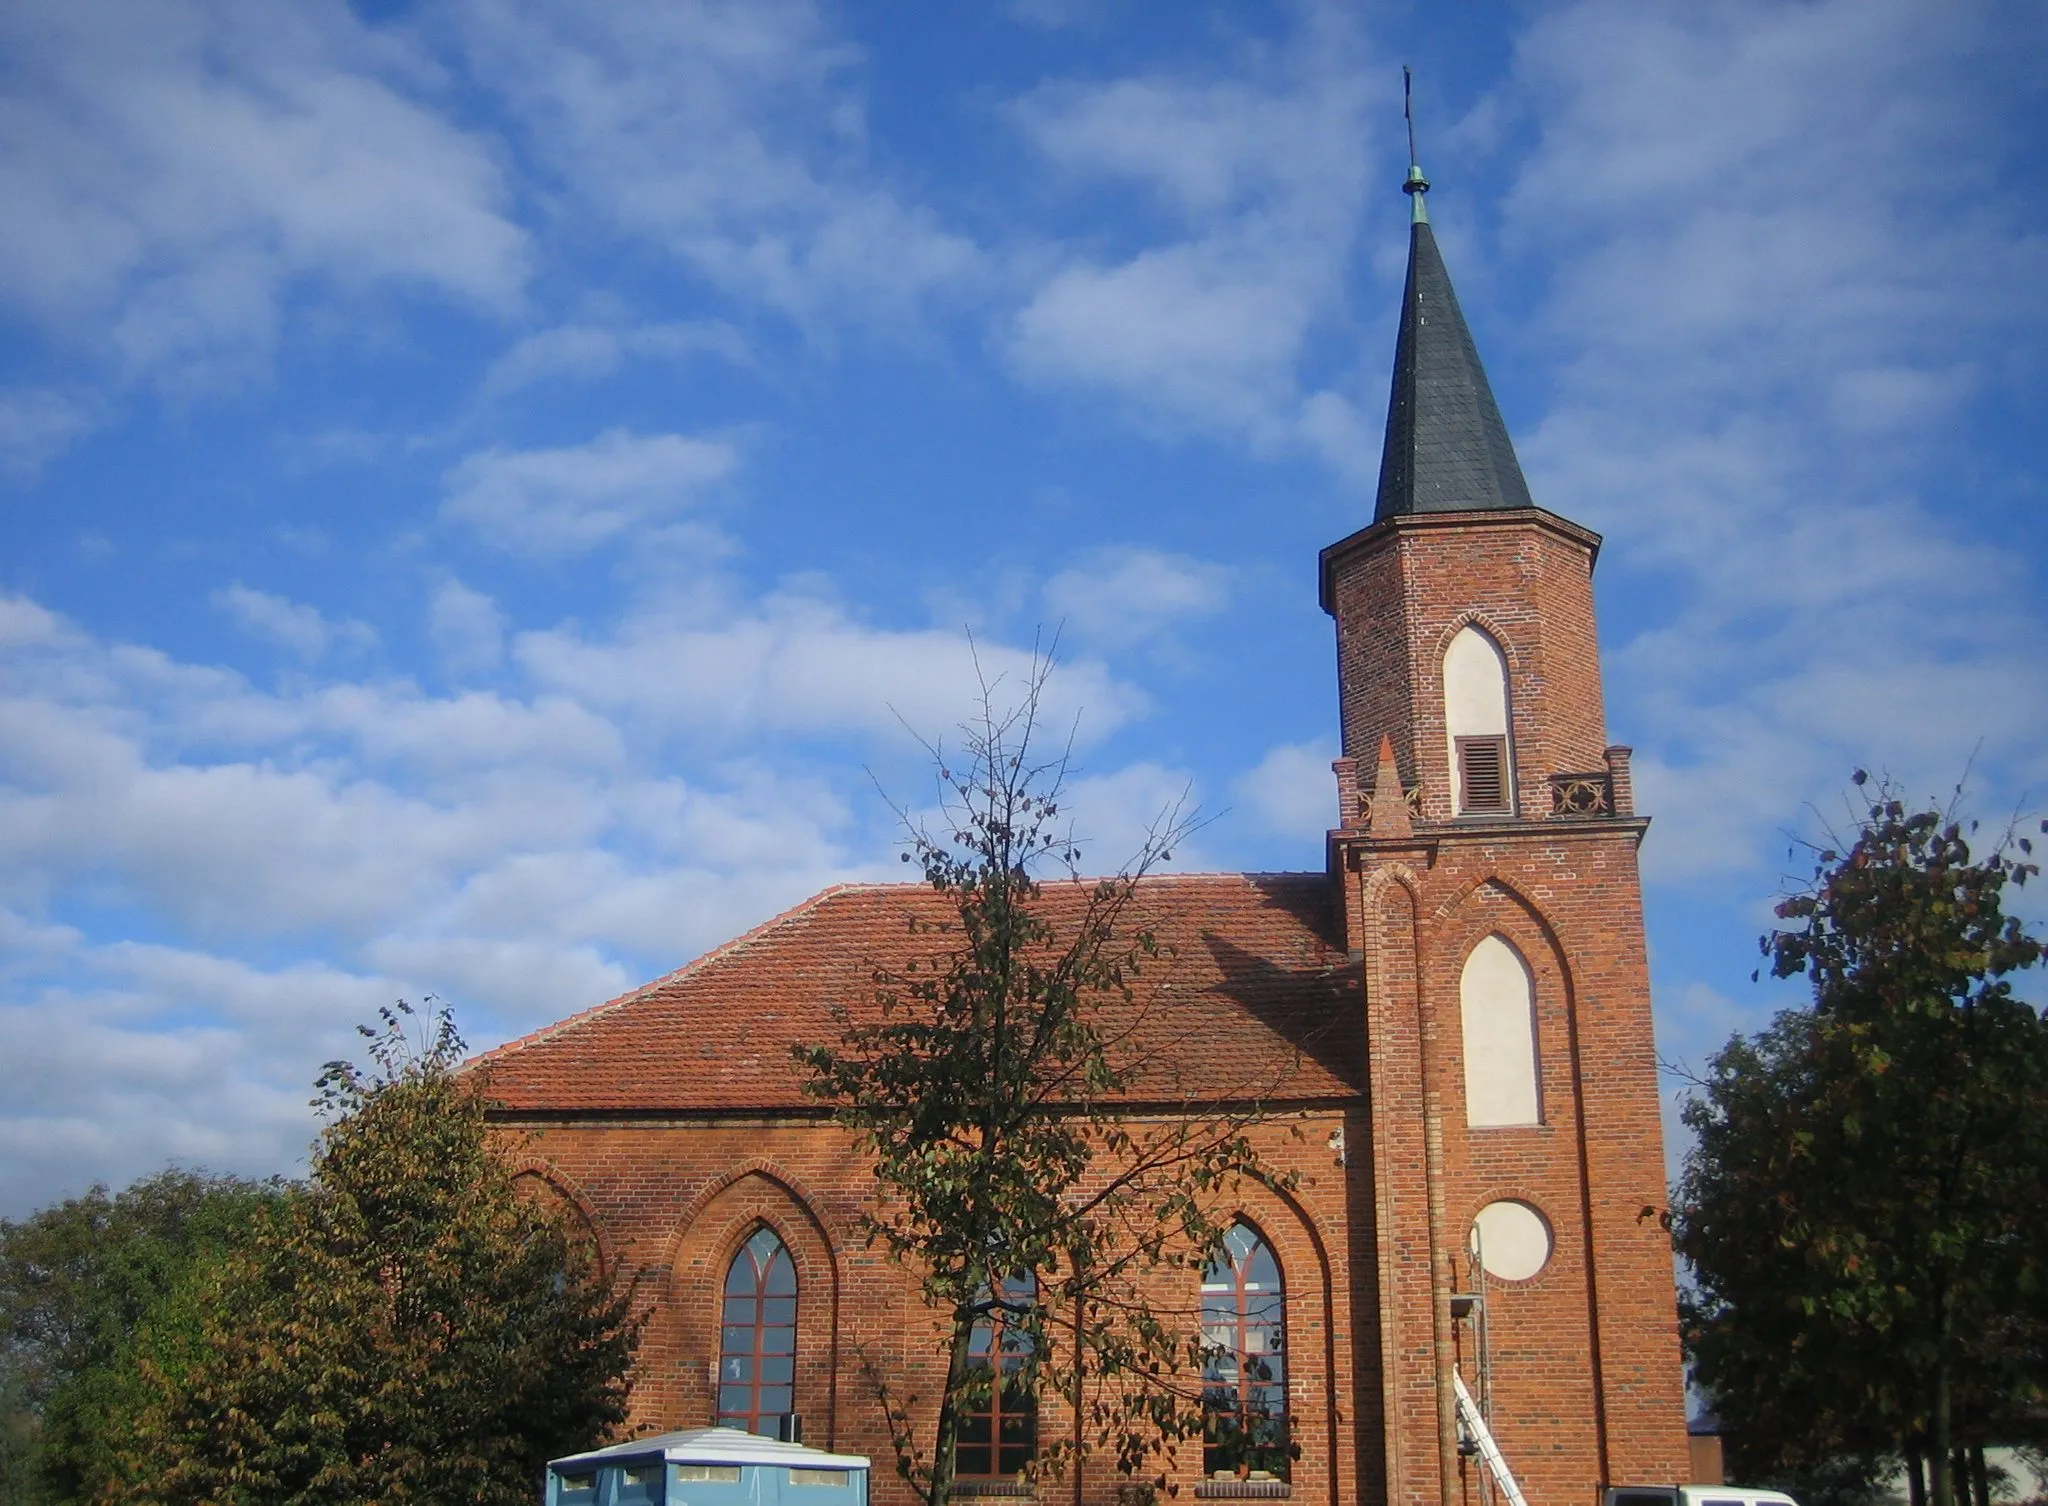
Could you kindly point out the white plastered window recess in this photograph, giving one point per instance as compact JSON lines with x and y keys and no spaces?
{"x":1497,"y":1008}
{"x":1481,"y":750}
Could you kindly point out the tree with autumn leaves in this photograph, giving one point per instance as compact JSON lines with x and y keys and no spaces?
{"x":986,"y":1084}
{"x":403,"y":1327}
{"x":1865,"y":1209}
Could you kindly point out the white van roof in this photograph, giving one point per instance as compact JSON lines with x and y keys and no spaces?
{"x":1746,"y":1495}
{"x":717,"y":1446}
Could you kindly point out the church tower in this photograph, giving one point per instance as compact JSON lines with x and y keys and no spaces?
{"x":1486,"y":854}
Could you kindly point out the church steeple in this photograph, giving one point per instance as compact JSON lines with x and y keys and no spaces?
{"x":1446,"y":449}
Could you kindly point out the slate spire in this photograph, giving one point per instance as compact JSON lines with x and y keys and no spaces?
{"x":1447,"y":449}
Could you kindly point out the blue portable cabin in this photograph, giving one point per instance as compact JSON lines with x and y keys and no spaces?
{"x":708,"y":1467}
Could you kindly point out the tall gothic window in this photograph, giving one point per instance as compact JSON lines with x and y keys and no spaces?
{"x":757,"y":1352}
{"x":1497,"y":1007}
{"x":1476,"y":716}
{"x":999,"y":1437}
{"x":1244,"y":1367}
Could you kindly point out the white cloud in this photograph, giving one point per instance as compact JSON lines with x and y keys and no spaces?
{"x":799,"y":664}
{"x":1257,"y":178}
{"x":457,"y":739}
{"x":467,"y":628}
{"x":1202,"y":146}
{"x":1128,"y":594}
{"x":342,"y":811}
{"x":159,"y":1053}
{"x":521,"y":853}
{"x":514,"y":983}
{"x":729,"y":134}
{"x":1292,"y":790}
{"x":1191,"y":331}
{"x":1761,"y":388}
{"x":37,"y":424}
{"x":577,"y":352}
{"x":1879,"y":400}
{"x":587,"y":352}
{"x":172,"y":167}
{"x":1116,"y":814}
{"x":27,"y":944}
{"x":291,"y":624}
{"x":572,"y":499}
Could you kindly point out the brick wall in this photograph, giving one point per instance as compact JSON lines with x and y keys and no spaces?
{"x":1587,"y":1378}
{"x":1401,"y":590}
{"x":674,"y":1202}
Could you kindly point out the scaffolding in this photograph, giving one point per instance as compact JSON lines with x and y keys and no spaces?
{"x":1475,"y":1413}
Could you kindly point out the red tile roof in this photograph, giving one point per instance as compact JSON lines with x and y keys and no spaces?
{"x":1256,"y":999}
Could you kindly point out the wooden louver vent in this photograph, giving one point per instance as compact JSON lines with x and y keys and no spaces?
{"x":1482,"y":775}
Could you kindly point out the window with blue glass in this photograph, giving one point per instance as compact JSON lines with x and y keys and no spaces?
{"x":998,"y":1435}
{"x":757,"y":1350}
{"x":1244,"y":1360}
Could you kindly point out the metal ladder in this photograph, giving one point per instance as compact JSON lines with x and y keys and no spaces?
{"x":1489,"y":1451}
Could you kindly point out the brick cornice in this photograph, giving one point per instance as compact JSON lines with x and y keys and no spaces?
{"x":1376,"y":536}
{"x":1533,"y":829}
{"x":1267,"y":1106}
{"x":1353,"y":848}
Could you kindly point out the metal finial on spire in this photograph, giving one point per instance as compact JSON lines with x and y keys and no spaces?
{"x":1417,"y":185}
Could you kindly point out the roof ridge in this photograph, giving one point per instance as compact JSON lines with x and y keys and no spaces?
{"x":1198,"y":873}
{"x":1236,"y":873}
{"x":698,"y":963}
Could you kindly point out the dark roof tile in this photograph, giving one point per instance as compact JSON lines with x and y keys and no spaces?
{"x":1447,"y":449}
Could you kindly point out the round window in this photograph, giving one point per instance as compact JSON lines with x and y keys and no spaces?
{"x":1512,"y":1240}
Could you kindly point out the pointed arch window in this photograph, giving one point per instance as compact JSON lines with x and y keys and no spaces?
{"x":1244,"y":1365}
{"x":1476,"y":717}
{"x":757,"y":1348}
{"x":1497,"y":1009}
{"x":998,"y":1435}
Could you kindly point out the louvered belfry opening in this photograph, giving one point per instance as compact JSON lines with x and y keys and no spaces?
{"x":1483,"y":776}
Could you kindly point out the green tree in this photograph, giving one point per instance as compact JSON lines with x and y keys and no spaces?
{"x":1865,"y":1210}
{"x":80,"y":1283}
{"x":17,"y":1435}
{"x":405,"y":1328}
{"x":987,"y":1089}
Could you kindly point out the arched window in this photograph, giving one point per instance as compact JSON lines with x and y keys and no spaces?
{"x":1244,"y":1364}
{"x":1476,"y":716}
{"x":757,"y":1352}
{"x":998,"y":1437}
{"x":1497,"y":1003}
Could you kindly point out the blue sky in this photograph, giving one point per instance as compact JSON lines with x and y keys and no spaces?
{"x":479,"y":481}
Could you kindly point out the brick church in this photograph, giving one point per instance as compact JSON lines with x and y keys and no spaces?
{"x":1450,"y":1023}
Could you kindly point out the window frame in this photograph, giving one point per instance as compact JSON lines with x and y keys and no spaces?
{"x":754,"y":1418}
{"x":997,"y":1340}
{"x":1275,"y":1456}
{"x":1478,"y":685}
{"x":1498,"y":742}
